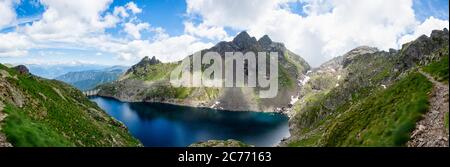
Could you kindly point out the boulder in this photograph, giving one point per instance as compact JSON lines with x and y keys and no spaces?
{"x":22,"y":69}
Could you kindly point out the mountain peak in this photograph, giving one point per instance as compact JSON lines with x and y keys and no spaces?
{"x":265,"y":40}
{"x":363,"y":50}
{"x":147,"y":60}
{"x":439,"y":33}
{"x":22,"y":69}
{"x":242,"y":36}
{"x":143,"y":64}
{"x":244,"y":40}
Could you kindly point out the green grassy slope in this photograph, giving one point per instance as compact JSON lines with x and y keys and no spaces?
{"x":153,"y":72}
{"x":378,"y":102}
{"x":385,"y":118}
{"x":439,"y":69}
{"x":56,"y":114}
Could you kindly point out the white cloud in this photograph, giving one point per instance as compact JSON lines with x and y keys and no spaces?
{"x":317,"y":7}
{"x":167,"y":50}
{"x":133,"y":7}
{"x":205,"y":31}
{"x":120,"y":11}
{"x":330,"y":28}
{"x":425,"y":28}
{"x":160,"y":33}
{"x":63,"y":20}
{"x":63,"y":26}
{"x":13,"y":44}
{"x":235,"y":14}
{"x":8,"y":15}
{"x":174,"y":48}
{"x":135,"y":29}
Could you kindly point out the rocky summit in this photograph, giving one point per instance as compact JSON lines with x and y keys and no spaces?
{"x":148,"y":81}
{"x":22,"y":69}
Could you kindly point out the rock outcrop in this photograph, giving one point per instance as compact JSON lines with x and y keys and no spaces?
{"x":22,"y":69}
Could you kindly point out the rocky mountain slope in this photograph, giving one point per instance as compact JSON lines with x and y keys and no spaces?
{"x":148,"y":81}
{"x":40,"y":112}
{"x":87,"y":80}
{"x":369,"y":97}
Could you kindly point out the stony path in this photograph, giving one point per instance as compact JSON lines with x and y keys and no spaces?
{"x":431,"y":131}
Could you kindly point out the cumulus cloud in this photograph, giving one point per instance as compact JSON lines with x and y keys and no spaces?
{"x":169,"y":49}
{"x":63,"y":20}
{"x":133,"y":7}
{"x":329,"y":28}
{"x":425,"y":28}
{"x":8,"y":15}
{"x":120,"y":11}
{"x":235,"y":14}
{"x":63,"y":26}
{"x":324,"y":29}
{"x":205,"y":31}
{"x":13,"y":44}
{"x":166,"y":49}
{"x":135,"y":29}
{"x":316,"y":7}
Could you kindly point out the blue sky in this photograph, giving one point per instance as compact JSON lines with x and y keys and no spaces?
{"x":52,"y":32}
{"x":427,"y":8}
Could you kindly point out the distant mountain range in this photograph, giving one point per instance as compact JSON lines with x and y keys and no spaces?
{"x":86,"y":80}
{"x":53,"y":71}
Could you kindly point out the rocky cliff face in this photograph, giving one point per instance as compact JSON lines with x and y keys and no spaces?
{"x":40,"y":112}
{"x":366,"y":97}
{"x":146,"y":61}
{"x":149,"y":81}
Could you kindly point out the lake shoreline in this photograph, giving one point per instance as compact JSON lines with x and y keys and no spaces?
{"x":284,"y":112}
{"x":265,"y":129}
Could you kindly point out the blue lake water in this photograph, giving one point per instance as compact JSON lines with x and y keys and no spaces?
{"x":165,"y":125}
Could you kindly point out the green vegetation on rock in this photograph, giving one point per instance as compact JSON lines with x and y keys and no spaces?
{"x":50,"y":113}
{"x":149,"y":80}
{"x":379,"y":99}
{"x":384,"y":118}
{"x":153,"y":72}
{"x":439,"y":69}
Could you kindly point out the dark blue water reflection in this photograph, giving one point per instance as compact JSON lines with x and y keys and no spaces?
{"x":165,"y":125}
